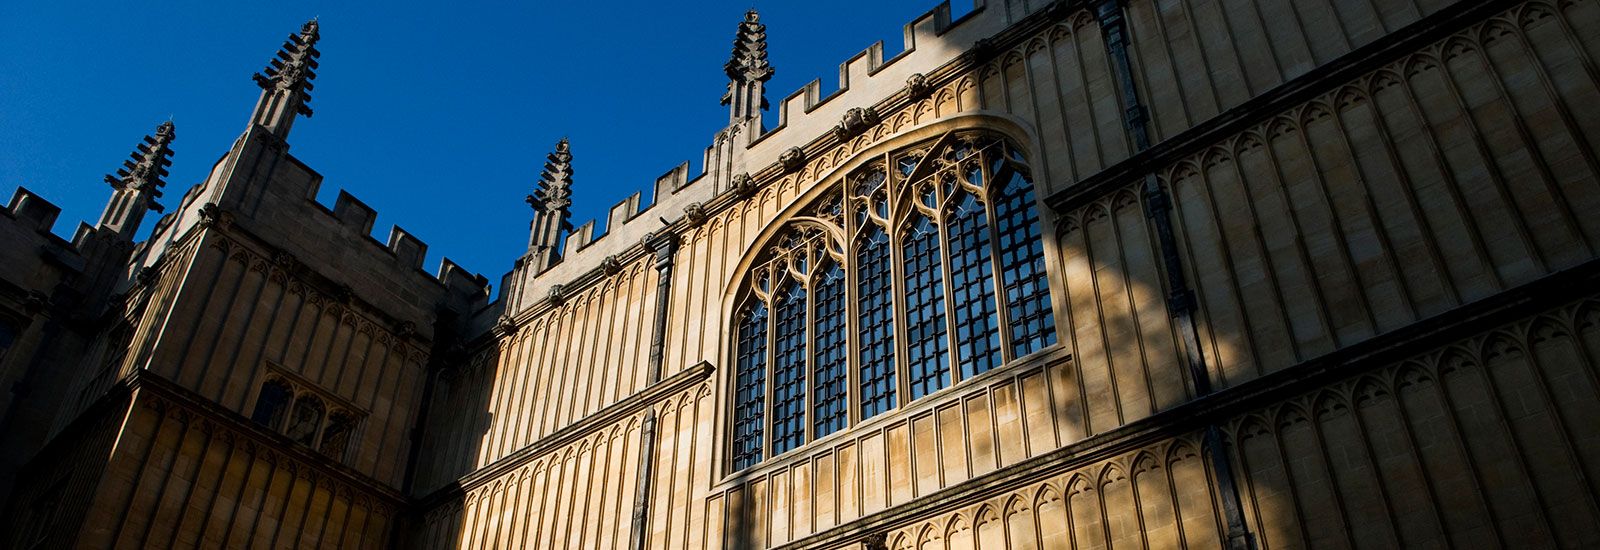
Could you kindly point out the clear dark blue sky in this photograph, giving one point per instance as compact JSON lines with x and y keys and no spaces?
{"x":436,"y":115}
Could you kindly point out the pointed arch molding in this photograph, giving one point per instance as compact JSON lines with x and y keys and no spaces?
{"x":1014,"y":129}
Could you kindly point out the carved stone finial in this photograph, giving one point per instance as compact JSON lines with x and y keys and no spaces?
{"x":286,"y":82}
{"x":551,"y":201}
{"x":855,"y":121}
{"x":743,"y":185}
{"x":749,"y":60}
{"x":611,"y":265}
{"x":695,"y":213}
{"x":917,"y":85}
{"x":748,"y":71}
{"x":138,"y":183}
{"x":792,"y":159}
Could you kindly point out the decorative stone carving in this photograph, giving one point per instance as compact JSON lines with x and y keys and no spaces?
{"x":695,"y":213}
{"x":611,"y":265}
{"x":558,"y":294}
{"x":792,"y":159}
{"x":505,"y":327}
{"x":284,"y":260}
{"x":213,"y":216}
{"x":855,"y":121}
{"x":743,"y":185}
{"x":917,"y":85}
{"x":875,"y":541}
{"x":405,"y":329}
{"x":35,"y":302}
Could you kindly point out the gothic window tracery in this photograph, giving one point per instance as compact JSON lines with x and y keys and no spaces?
{"x":919,"y":270}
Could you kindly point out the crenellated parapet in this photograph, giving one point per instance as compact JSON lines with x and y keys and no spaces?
{"x":930,"y":79}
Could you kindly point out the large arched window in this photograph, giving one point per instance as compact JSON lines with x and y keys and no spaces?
{"x":919,"y":270}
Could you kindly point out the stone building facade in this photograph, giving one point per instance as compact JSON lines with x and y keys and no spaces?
{"x":1106,"y":274}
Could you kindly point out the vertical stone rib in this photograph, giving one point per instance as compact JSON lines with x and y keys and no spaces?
{"x":665,"y":246}
{"x":1180,"y":301}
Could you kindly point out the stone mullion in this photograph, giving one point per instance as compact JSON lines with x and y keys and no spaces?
{"x":991,"y":188}
{"x":1181,"y":301}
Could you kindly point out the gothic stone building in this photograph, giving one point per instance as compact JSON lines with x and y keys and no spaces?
{"x":1106,"y":274}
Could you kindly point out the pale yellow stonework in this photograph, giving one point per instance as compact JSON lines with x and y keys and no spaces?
{"x":1383,"y":215}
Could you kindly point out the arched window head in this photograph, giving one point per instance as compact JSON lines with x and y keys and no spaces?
{"x":918,"y":270}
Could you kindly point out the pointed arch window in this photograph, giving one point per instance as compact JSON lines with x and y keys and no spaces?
{"x":919,"y":270}
{"x":306,"y":414}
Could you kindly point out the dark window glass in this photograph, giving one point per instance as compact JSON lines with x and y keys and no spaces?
{"x":750,"y":392}
{"x":972,"y":288}
{"x":1027,"y":291}
{"x":272,"y":405}
{"x":788,"y":370}
{"x":306,"y":418}
{"x":874,"y":280}
{"x":926,"y":343}
{"x":829,"y":407}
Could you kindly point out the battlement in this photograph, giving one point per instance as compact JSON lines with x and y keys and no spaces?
{"x":32,"y":210}
{"x":806,"y":116}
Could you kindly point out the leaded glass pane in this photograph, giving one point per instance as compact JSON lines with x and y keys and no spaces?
{"x":972,"y":289}
{"x":874,"y":277}
{"x":926,"y":343}
{"x":749,"y":396}
{"x":788,"y":370}
{"x":829,"y":405}
{"x":1027,"y":290}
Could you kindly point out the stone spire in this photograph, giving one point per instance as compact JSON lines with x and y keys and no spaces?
{"x":748,"y":71}
{"x":286,"y":82}
{"x":137,"y":185}
{"x":551,"y":201}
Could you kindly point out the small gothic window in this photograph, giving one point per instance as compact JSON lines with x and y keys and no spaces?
{"x":919,"y":270}
{"x":272,"y":404}
{"x":302,"y":413}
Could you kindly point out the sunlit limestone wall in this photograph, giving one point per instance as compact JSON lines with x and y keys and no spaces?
{"x":567,"y":362}
{"x":1343,"y":179}
{"x":1480,"y":441}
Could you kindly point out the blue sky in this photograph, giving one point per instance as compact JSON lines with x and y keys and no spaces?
{"x":439,"y":118}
